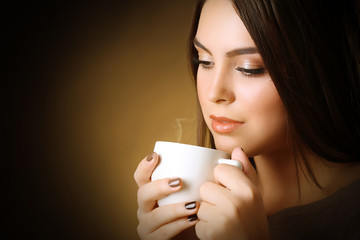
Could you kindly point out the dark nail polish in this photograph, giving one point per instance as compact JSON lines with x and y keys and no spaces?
{"x":150,"y":157}
{"x":190,"y":205}
{"x":193,"y":217}
{"x":174,"y":182}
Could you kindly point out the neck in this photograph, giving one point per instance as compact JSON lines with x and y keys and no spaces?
{"x":277,"y":181}
{"x":282,"y":187}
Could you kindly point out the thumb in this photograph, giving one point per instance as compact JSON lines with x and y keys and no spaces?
{"x":248,"y":169}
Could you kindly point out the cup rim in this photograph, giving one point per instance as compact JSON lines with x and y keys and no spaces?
{"x":190,"y":145}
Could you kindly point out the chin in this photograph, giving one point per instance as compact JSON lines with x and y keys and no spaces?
{"x":226,"y":144}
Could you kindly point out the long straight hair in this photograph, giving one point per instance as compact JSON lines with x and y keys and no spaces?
{"x":311,"y":52}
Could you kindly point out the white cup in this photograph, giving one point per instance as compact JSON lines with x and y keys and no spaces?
{"x":194,"y":165}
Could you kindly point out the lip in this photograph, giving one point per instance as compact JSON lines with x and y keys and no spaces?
{"x":224,"y":125}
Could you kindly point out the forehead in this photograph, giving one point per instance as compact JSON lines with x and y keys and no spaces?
{"x":220,"y":26}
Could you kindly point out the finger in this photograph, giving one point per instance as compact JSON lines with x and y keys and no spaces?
{"x":213,"y":193}
{"x":205,"y":211}
{"x":231,"y":178}
{"x":207,"y":215}
{"x":149,"y":193}
{"x":201,"y":230}
{"x":169,"y":213}
{"x":145,"y":168}
{"x":248,"y":169}
{"x":170,"y":230}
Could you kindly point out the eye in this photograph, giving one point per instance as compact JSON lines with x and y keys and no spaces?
{"x":251,"y":72}
{"x":202,"y":63}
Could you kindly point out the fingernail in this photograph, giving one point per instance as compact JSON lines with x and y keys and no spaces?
{"x":150,"y":157}
{"x":174,"y":182}
{"x":193,"y":217}
{"x":190,"y":205}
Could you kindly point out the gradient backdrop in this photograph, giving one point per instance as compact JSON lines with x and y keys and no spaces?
{"x":87,"y":88}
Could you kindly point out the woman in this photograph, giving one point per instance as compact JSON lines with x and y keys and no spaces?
{"x":279,"y":82}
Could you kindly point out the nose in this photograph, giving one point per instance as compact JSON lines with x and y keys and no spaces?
{"x":221,"y":89}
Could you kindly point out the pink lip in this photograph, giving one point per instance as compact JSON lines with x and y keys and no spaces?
{"x":224,"y":124}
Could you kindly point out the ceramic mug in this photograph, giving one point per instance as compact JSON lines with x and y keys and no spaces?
{"x":193,"y":164}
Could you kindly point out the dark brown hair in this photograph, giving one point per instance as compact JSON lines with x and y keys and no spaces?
{"x":311,"y":51}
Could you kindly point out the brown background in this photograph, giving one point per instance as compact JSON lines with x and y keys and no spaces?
{"x":87,"y":90}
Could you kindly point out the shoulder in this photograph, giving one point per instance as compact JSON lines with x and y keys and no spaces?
{"x":335,"y":217}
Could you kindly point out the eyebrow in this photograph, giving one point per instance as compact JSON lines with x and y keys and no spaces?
{"x":232,"y":53}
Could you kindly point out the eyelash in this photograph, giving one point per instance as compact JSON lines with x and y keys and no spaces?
{"x":251,"y":72}
{"x":247,"y":72}
{"x":203,"y":64}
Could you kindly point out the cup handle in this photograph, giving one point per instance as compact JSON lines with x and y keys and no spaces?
{"x":230,"y":162}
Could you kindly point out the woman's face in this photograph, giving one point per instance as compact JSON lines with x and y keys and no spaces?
{"x":239,"y":101}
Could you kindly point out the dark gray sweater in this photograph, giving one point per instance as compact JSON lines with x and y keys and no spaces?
{"x":335,"y":217}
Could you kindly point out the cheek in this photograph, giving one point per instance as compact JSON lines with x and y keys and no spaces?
{"x":260,"y":100}
{"x":201,"y":91}
{"x":267,"y":120}
{"x":271,"y":119}
{"x":267,"y":106}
